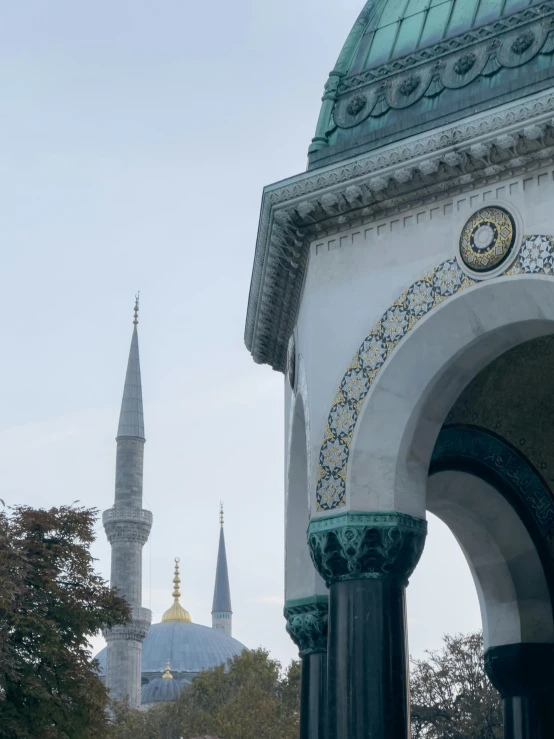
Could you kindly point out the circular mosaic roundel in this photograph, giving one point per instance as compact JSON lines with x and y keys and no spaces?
{"x":487,"y":239}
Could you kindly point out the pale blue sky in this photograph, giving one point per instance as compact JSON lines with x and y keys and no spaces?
{"x":136,"y":139}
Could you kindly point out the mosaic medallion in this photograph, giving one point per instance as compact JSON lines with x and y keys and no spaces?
{"x":487,"y":239}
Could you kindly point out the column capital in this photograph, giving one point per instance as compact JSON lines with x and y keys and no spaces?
{"x":307,"y":621}
{"x":127,"y":524}
{"x":518,"y":670}
{"x":362,"y":546}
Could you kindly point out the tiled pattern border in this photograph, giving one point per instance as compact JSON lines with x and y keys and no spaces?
{"x":535,"y":257}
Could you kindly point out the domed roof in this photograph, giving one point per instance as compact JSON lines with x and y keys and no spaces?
{"x":189,"y":647}
{"x":405,"y":62}
{"x":162,"y":689}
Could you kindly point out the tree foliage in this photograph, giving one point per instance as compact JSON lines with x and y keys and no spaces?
{"x":249,"y":699}
{"x":451,"y":696}
{"x":51,"y":602}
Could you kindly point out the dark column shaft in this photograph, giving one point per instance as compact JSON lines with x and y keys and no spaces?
{"x":529,"y":717}
{"x":368,"y":690}
{"x":313,"y":700}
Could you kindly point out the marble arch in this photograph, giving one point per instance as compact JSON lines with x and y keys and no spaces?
{"x":422,"y":297}
{"x":425,"y":375}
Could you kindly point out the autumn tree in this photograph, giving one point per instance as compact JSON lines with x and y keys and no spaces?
{"x":246,"y":699}
{"x":451,"y":696}
{"x":51,"y":602}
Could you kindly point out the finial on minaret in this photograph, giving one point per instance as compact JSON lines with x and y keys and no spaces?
{"x":167,"y":674}
{"x":137,"y":296}
{"x":221,"y":514}
{"x":176,"y":580}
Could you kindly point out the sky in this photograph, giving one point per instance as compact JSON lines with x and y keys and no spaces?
{"x":136,"y":139}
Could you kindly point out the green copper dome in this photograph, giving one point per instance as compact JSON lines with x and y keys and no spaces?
{"x":412,"y":65}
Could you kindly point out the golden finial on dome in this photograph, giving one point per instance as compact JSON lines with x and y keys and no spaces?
{"x":176,"y":612}
{"x":167,"y":674}
{"x":221,"y":514}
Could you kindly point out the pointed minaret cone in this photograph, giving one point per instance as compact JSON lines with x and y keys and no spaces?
{"x":127,"y":527}
{"x":222,"y":614}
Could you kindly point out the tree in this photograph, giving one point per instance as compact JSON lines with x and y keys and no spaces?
{"x":51,"y":602}
{"x":246,"y":699}
{"x":451,"y":696}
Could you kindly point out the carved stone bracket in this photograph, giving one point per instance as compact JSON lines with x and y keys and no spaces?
{"x":361,"y":546}
{"x":307,"y":622}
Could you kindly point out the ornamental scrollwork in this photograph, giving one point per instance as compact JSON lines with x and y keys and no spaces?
{"x":361,"y":546}
{"x":307,"y":625}
{"x":508,"y":42}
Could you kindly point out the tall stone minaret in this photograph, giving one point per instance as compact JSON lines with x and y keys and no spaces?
{"x":127,"y":527}
{"x":222,"y":615}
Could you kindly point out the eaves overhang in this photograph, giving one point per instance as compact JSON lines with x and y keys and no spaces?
{"x":468,"y":154}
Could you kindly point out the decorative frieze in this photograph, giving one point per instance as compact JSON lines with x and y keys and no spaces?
{"x":492,"y":453}
{"x":307,"y":622}
{"x":421,"y":169}
{"x":361,"y":546}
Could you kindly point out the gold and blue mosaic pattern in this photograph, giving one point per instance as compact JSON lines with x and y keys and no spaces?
{"x":535,"y":257}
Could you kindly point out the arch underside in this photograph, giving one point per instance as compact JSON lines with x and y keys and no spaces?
{"x":500,"y":510}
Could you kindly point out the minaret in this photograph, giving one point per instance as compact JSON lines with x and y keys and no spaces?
{"x":127,"y":527}
{"x":222,"y":615}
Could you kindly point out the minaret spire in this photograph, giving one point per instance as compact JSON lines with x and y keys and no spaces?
{"x":127,"y":527}
{"x":222,"y":614}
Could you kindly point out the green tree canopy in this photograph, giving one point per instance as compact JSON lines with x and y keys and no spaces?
{"x":247,"y":699}
{"x":51,"y":602}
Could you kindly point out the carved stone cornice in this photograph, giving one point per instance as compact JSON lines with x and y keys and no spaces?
{"x":363,"y":546}
{"x":307,"y":622}
{"x":507,"y":141}
{"x":134,"y":630}
{"x":127,"y":524}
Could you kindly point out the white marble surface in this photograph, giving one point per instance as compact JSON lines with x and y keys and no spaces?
{"x":507,"y":572}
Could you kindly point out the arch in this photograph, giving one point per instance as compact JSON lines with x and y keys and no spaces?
{"x":499,"y":509}
{"x":422,"y":301}
{"x":301,"y":578}
{"x":409,"y":401}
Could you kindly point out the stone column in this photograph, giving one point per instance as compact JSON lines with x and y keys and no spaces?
{"x":127,"y":530}
{"x":366,"y":560}
{"x":307,"y":626}
{"x":524,"y":676}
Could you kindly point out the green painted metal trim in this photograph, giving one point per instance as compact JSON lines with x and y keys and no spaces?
{"x":313,"y":600}
{"x":366,"y":546}
{"x":375,"y":520}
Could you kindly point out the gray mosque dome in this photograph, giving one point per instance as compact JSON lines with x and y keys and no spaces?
{"x":190,"y":648}
{"x":177,"y":642}
{"x":409,"y":66}
{"x":162,"y":689}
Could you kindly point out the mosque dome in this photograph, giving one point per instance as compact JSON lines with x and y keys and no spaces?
{"x":189,"y":648}
{"x":162,"y":689}
{"x":409,"y":66}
